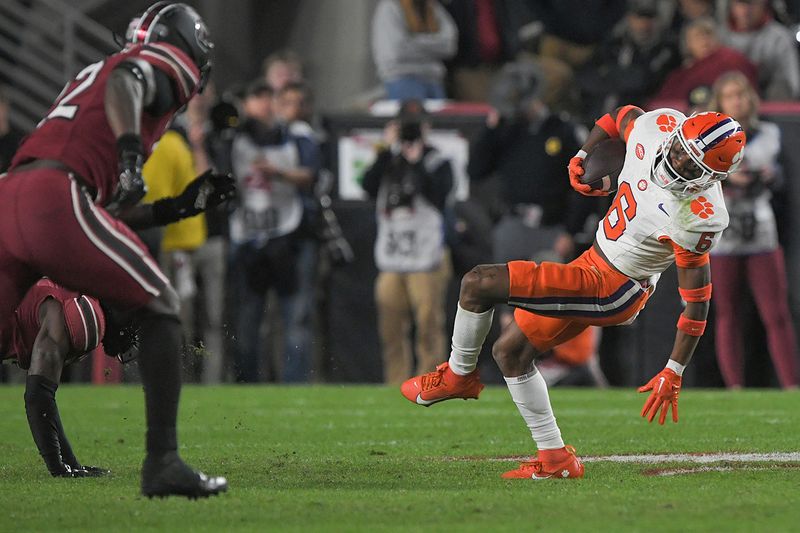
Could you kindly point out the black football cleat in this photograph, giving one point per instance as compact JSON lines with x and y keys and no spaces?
{"x":170,"y":476}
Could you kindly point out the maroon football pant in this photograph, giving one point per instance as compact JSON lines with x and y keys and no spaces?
{"x":50,"y":227}
{"x":766,"y":275}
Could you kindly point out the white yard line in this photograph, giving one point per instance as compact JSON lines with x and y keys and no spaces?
{"x":666,"y":472}
{"x":696,"y":457}
{"x":655,"y":458}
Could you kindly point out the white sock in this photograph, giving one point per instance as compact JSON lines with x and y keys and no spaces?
{"x":469,"y":332}
{"x":529,"y":392}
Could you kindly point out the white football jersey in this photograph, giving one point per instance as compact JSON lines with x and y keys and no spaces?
{"x":635,"y":233}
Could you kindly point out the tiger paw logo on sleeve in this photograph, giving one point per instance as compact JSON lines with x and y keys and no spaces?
{"x":666,"y":122}
{"x":701,"y":207}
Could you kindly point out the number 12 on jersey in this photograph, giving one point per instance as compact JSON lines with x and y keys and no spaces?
{"x":622,"y":211}
{"x":64,"y":109}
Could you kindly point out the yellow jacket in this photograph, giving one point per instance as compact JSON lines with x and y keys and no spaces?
{"x":167,"y":172}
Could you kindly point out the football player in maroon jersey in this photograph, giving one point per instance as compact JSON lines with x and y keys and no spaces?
{"x":72,"y":178}
{"x":54,"y":327}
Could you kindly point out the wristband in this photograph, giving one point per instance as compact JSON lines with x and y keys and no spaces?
{"x":675,"y":367}
{"x":581,"y":153}
{"x":695,"y":328}
{"x":608,"y":125}
{"x":128,"y":143}
{"x":701,"y":294}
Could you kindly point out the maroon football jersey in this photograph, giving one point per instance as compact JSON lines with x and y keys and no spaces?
{"x":83,"y":317}
{"x":76,"y":131}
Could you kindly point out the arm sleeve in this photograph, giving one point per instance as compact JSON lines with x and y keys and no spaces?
{"x":45,"y":423}
{"x":373,"y":175}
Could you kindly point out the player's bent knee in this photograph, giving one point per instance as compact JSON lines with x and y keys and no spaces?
{"x":484,"y":284}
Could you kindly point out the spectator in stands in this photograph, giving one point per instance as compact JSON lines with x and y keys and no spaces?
{"x":271,"y":166}
{"x":631,"y":64}
{"x":167,"y":172}
{"x":691,"y":10}
{"x":410,"y":41}
{"x":574,"y":27}
{"x":10,"y":136}
{"x":706,"y":59}
{"x":748,"y":252}
{"x":486,"y":40}
{"x":528,"y":147}
{"x":770,"y":45}
{"x":572,"y":31}
{"x":282,"y":68}
{"x":411,"y":181}
{"x":293,"y":110}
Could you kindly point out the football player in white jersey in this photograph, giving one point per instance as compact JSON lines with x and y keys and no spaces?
{"x":668,"y":207}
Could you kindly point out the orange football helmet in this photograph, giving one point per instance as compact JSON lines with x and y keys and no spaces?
{"x":701,"y":151}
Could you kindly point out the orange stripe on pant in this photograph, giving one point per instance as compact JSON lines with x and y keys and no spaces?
{"x":555,"y":302}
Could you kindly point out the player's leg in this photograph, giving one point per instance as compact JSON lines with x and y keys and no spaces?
{"x":514,"y":353}
{"x":163,"y":472}
{"x":481,"y":288}
{"x":767,"y":276}
{"x":80,"y":246}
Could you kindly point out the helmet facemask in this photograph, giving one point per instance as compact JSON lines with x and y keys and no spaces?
{"x":679,"y":168}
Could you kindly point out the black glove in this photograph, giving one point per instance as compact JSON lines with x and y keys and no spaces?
{"x":121,"y":341}
{"x":79,"y":471}
{"x":205,"y":192}
{"x":131,"y":187}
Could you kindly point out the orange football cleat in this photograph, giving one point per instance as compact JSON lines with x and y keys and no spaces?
{"x":549,"y":464}
{"x":440,"y":385}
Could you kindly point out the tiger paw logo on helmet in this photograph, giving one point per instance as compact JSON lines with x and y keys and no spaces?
{"x":666,"y":122}
{"x":702,"y":207}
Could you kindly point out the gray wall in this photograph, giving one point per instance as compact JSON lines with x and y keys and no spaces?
{"x":332,"y":36}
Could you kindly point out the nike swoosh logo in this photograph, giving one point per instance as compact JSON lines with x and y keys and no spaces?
{"x":661,"y":206}
{"x":660,"y":384}
{"x":426,"y":403}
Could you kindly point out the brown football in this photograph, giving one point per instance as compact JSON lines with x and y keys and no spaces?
{"x":603,"y":165}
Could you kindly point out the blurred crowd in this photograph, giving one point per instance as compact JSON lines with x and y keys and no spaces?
{"x":249,"y":274}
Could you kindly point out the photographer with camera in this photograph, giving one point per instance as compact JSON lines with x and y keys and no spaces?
{"x":749,"y":251}
{"x":410,"y":181}
{"x":272,"y":166}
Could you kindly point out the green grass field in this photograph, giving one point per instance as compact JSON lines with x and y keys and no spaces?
{"x":361,"y":458}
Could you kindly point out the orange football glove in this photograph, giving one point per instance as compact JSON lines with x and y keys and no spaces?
{"x":576,"y":171}
{"x":664,"y":389}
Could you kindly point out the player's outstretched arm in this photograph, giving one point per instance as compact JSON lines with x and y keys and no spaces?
{"x":694,"y":282}
{"x":129,"y":89}
{"x":205,"y":192}
{"x":615,"y":124}
{"x":50,"y":350}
